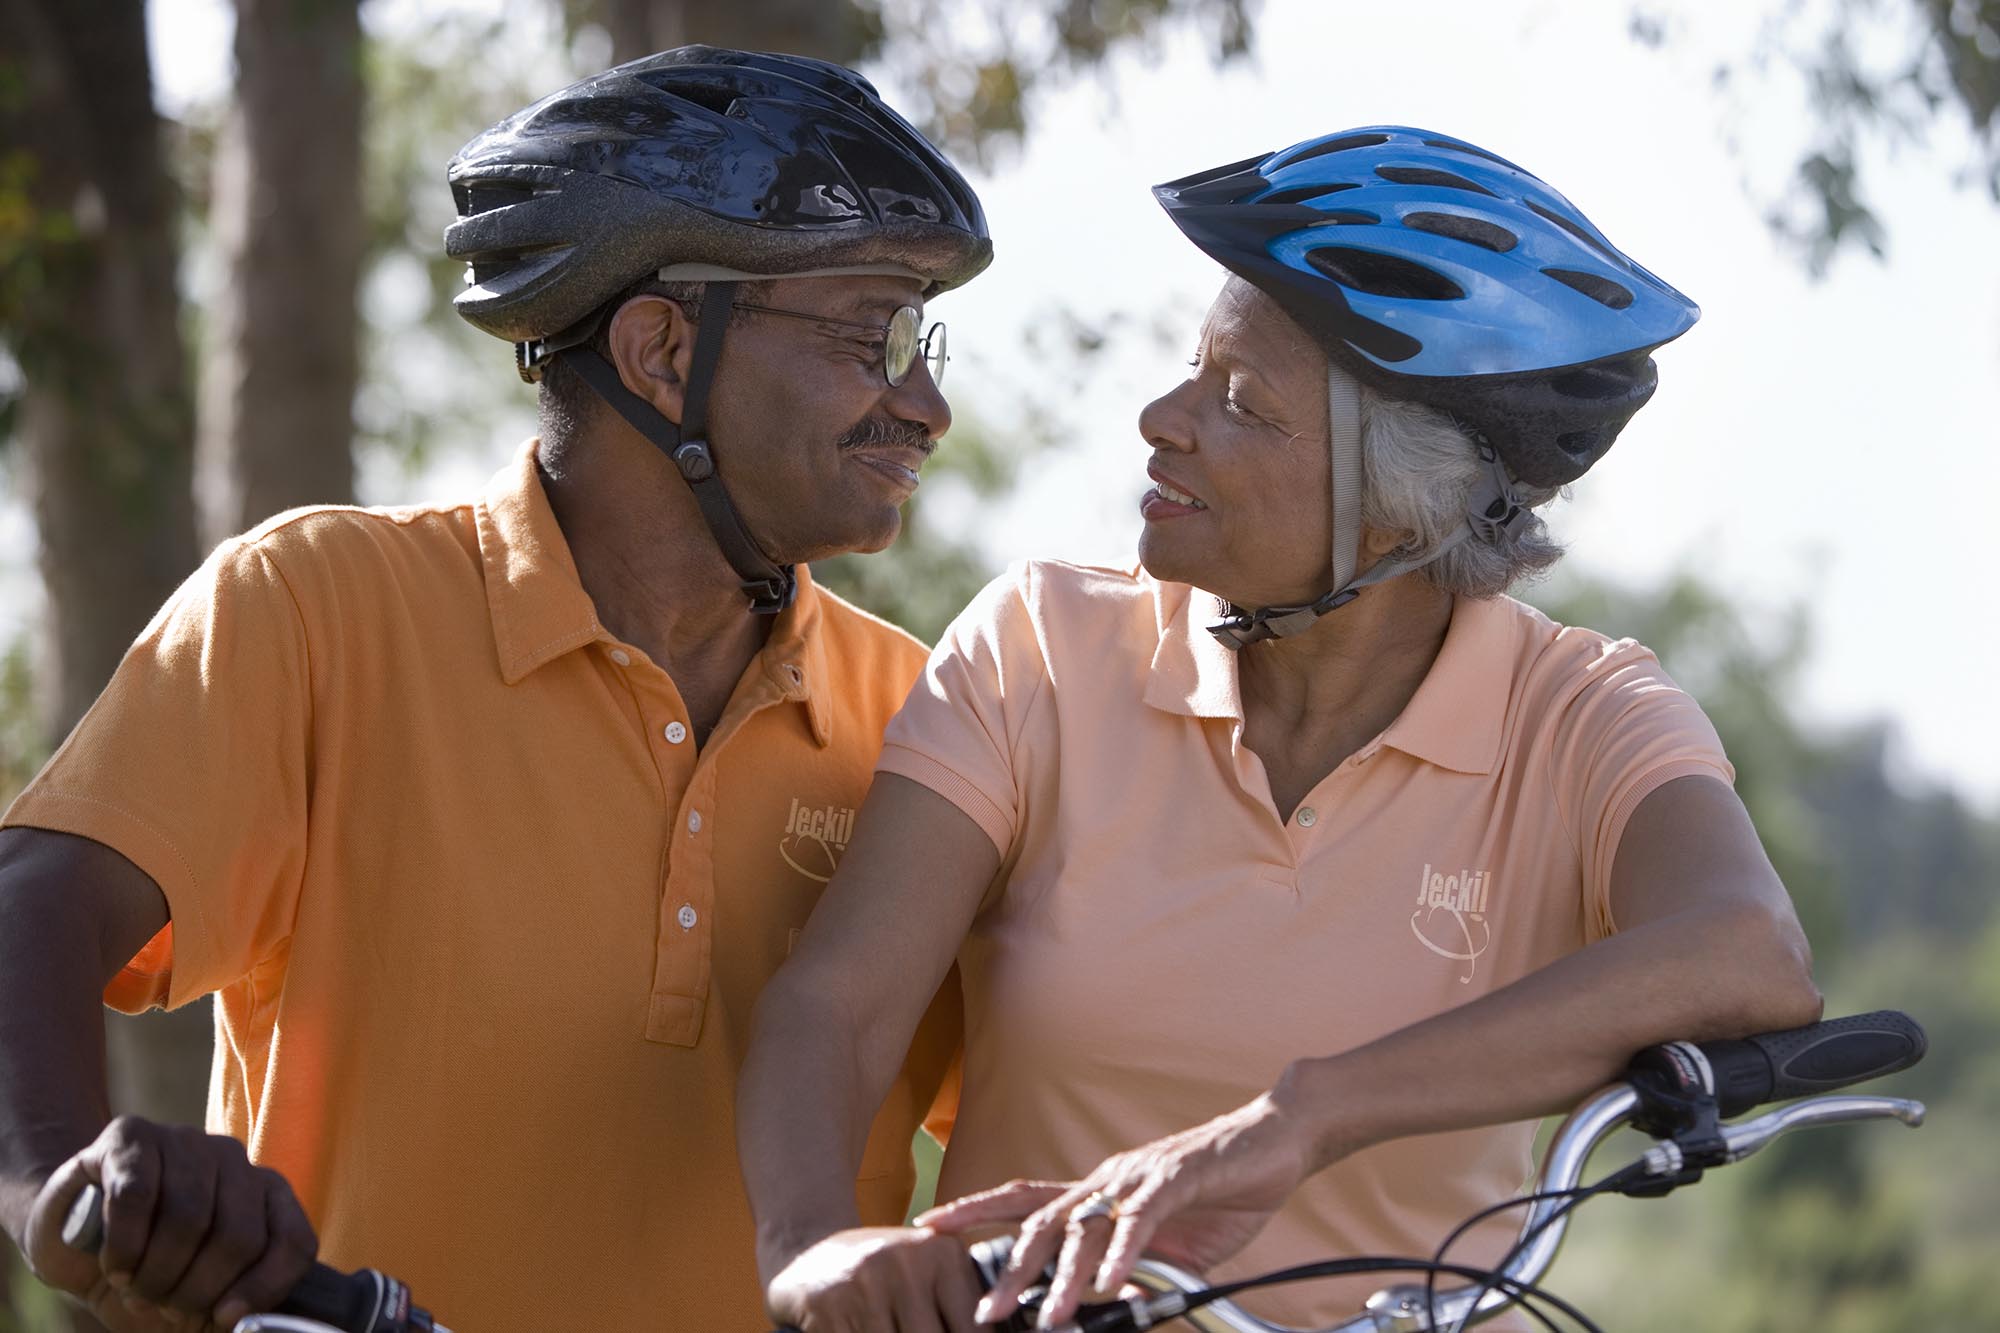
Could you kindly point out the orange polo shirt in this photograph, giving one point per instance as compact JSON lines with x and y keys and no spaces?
{"x":484,"y":927}
{"x":1160,"y":943}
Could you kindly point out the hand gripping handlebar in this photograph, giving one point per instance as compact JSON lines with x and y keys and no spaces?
{"x":365,"y":1302}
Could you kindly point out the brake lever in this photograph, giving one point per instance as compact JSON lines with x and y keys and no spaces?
{"x":1738,"y":1141}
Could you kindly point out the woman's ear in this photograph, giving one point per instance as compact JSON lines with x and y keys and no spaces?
{"x":652,"y":346}
{"x":1378,"y":542}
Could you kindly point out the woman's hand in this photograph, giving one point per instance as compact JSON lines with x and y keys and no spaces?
{"x":869,"y":1279}
{"x":1194,"y":1199}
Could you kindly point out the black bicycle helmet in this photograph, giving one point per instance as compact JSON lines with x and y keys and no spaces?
{"x":1442,"y":274}
{"x":748,"y":162}
{"x":711,"y":165}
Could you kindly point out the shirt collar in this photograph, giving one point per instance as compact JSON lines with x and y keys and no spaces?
{"x":1458,"y":716}
{"x":1193,"y":674}
{"x":1455,"y":720}
{"x":794,"y":657}
{"x":540,"y":610}
{"x":537,"y":603}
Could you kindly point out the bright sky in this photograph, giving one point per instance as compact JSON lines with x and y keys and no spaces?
{"x":1829,"y":443}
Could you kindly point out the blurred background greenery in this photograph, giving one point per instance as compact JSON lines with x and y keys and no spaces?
{"x":210,"y":316}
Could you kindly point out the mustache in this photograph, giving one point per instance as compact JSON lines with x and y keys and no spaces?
{"x":874,"y":432}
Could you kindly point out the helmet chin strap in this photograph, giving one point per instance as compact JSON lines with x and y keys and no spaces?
{"x":1492,"y":511}
{"x":769,"y":586}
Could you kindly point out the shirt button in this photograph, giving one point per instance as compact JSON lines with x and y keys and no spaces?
{"x":621,"y":657}
{"x":694,"y":821}
{"x":1307,"y":816}
{"x":686,"y":916}
{"x":675,"y":733}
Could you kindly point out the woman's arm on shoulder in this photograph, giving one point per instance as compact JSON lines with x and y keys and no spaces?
{"x":834,"y":1023}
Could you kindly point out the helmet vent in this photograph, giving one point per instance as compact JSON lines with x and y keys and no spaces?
{"x":1473,"y":231}
{"x":704,"y":95}
{"x":479,"y":196}
{"x":1593,"y":382}
{"x":1383,"y":275}
{"x":1443,"y":180}
{"x":1298,"y":194}
{"x":1453,"y":146}
{"x":1581,"y":444}
{"x":1571,"y":227}
{"x":1599,"y":289}
{"x":1340,"y":145}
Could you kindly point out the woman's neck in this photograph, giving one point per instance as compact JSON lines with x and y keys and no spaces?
{"x":1311,"y":700}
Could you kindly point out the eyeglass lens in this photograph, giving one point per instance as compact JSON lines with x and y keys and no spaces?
{"x":901,"y":345}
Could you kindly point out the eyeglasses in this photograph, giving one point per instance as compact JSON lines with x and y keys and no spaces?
{"x":900,"y":344}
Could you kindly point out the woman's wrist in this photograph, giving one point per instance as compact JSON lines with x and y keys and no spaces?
{"x":1316,"y":1097}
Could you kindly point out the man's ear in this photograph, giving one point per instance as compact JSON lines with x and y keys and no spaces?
{"x":652,"y":346}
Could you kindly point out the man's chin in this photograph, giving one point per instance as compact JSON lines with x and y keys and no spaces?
{"x":879,"y":537}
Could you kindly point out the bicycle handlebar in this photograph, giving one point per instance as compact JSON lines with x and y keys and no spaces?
{"x":1778,"y":1066}
{"x":1725,"y":1077}
{"x":365,"y":1302}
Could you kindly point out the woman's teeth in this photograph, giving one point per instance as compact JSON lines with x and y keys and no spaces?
{"x":1179,"y":497}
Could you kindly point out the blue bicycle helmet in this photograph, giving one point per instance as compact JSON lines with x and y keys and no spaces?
{"x":1438,"y":273}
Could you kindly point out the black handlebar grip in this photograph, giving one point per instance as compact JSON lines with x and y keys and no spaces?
{"x":1819,"y":1057}
{"x":363,"y":1302}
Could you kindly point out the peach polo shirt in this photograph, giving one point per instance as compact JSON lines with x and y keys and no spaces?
{"x":1159,"y":943}
{"x":484,"y":927}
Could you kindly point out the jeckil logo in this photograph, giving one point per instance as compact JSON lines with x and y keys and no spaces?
{"x":1450,"y":919}
{"x":814,"y":838}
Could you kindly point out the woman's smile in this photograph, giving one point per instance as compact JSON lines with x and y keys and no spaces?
{"x":1166,"y":500}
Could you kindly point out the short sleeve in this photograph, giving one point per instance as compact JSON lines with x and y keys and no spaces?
{"x":193,"y":764}
{"x":1627,"y":732}
{"x":959,"y":730}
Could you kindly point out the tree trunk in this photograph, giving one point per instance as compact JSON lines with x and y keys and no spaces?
{"x":280,"y":360}
{"x":797,"y":27}
{"x":105,"y":417}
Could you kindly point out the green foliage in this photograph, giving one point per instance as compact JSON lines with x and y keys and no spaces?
{"x":1876,"y":75}
{"x":22,"y":746}
{"x":1849,"y":1228}
{"x":975,"y":67}
{"x":968,"y":72}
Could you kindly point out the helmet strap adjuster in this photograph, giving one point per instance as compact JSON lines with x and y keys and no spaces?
{"x":770,"y":587}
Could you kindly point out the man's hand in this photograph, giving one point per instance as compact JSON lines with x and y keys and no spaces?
{"x":878,"y":1280}
{"x":193,"y":1233}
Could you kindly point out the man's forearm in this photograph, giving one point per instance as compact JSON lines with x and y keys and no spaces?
{"x":1538,"y":1046}
{"x":52,"y":1085}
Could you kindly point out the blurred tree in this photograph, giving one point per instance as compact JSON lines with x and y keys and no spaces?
{"x":1846,"y":1229}
{"x":87,"y":269}
{"x":280,"y":357}
{"x":90,"y":313}
{"x":1866,"y":854}
{"x":1877,"y":75}
{"x":972,"y":66}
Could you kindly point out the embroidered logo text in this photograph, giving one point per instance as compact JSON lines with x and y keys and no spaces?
{"x":1451,"y":917}
{"x":814,"y":838}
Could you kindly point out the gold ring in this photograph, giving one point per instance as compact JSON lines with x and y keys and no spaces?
{"x":1096,"y":1205}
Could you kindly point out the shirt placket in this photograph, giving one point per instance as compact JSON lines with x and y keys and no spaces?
{"x":684,"y":950}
